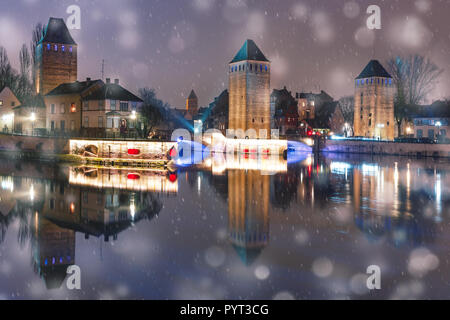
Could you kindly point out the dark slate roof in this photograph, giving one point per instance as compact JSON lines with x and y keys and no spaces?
{"x":249,"y":51}
{"x":312,"y":96}
{"x":192,"y":95}
{"x":112,"y":91}
{"x":71,"y":88}
{"x":56,"y":31}
{"x":374,"y":69}
{"x":439,"y":109}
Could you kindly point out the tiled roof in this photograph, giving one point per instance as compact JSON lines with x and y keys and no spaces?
{"x":72,"y":88}
{"x":249,"y":51}
{"x":56,"y":31}
{"x":112,"y":91}
{"x":374,"y":69}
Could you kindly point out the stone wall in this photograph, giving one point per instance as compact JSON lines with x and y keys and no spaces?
{"x":45,"y":146}
{"x":386,"y":148}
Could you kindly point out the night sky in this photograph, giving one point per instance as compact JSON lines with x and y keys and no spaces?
{"x":176,"y":45}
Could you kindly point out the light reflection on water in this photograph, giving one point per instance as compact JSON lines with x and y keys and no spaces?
{"x":228,"y":228}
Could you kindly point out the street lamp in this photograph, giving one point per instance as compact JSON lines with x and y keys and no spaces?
{"x":438,"y":124}
{"x":33,"y":119}
{"x":133,"y":117}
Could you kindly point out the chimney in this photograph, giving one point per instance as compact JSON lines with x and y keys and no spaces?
{"x":108,"y":80}
{"x":116,"y":81}
{"x":88,"y":80}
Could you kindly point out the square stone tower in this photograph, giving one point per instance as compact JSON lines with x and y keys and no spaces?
{"x":374,"y":103}
{"x":192,"y":103}
{"x":249,"y":85}
{"x":56,"y":57}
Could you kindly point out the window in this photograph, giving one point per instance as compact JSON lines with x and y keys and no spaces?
{"x":52,"y":109}
{"x":56,"y":48}
{"x":72,"y":125}
{"x":52,"y":125}
{"x":267,"y":69}
{"x":63,"y":108}
{"x":124,"y":106}
{"x":133,"y":106}
{"x":251,"y":67}
{"x":420,"y":133}
{"x":86,"y":122}
{"x":48,"y":47}
{"x":63,"y":125}
{"x":113,"y":105}
{"x":367,"y":81}
{"x":100,"y":122}
{"x":63,"y":48}
{"x":70,"y":49}
{"x":1,"y":103}
{"x":73,"y":108}
{"x":261,"y":67}
{"x":362,"y":99}
{"x":431,"y":133}
{"x":13,"y":104}
{"x":239,"y":68}
{"x":86,"y":105}
{"x":101,"y":105}
{"x":109,"y":123}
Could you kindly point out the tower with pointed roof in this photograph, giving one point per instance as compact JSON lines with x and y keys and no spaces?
{"x":249,"y":91}
{"x":56,"y":57}
{"x":374,"y":103}
{"x":192,"y":103}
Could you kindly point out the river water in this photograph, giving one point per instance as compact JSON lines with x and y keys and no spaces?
{"x":240,"y":228}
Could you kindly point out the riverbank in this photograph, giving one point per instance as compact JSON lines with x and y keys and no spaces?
{"x":417,"y":150}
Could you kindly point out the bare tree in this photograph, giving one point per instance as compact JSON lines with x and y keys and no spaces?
{"x":348,"y":108}
{"x":36,"y":36}
{"x":415,"y":77}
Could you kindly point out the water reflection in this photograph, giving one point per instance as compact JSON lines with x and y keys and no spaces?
{"x":259,"y":219}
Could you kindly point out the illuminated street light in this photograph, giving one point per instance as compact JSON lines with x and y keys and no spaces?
{"x":33,"y":116}
{"x":133,"y":115}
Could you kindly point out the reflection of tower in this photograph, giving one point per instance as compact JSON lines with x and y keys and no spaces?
{"x":248,"y":213}
{"x":249,"y":85}
{"x":54,"y":252}
{"x":56,"y":56}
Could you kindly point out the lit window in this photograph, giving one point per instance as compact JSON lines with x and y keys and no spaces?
{"x":367,"y":81}
{"x":48,"y":47}
{"x":63,"y":48}
{"x":267,"y":69}
{"x":73,"y":108}
{"x":261,"y":67}
{"x":1,"y":103}
{"x":70,"y":49}
{"x":56,"y":47}
{"x":390,"y":82}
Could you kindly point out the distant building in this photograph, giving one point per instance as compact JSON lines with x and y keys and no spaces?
{"x":8,"y":101}
{"x":432,"y":121}
{"x":309,"y":102}
{"x":216,"y":114}
{"x":285,"y":117}
{"x":30,"y":116}
{"x":92,"y":108}
{"x":327,"y":119}
{"x":374,"y":103}
{"x":192,"y":104}
{"x":110,"y":110}
{"x":56,"y":56}
{"x":63,"y":105}
{"x":249,"y":90}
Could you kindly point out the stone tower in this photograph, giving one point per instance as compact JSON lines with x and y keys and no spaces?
{"x":374,"y":103}
{"x":249,"y":85}
{"x":56,"y":57}
{"x":192,"y":103}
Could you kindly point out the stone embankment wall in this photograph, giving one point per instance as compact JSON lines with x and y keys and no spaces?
{"x":386,"y":148}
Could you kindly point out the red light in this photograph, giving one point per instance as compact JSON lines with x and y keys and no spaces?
{"x":246,"y":151}
{"x":310,"y":133}
{"x":173,"y":152}
{"x":133,"y":176}
{"x":134,"y":152}
{"x":173,"y":177}
{"x":266,"y":151}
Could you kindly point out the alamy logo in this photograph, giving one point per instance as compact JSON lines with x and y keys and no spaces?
{"x":374,"y":21}
{"x":74,"y":280}
{"x":74,"y":20}
{"x":374,"y":279}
